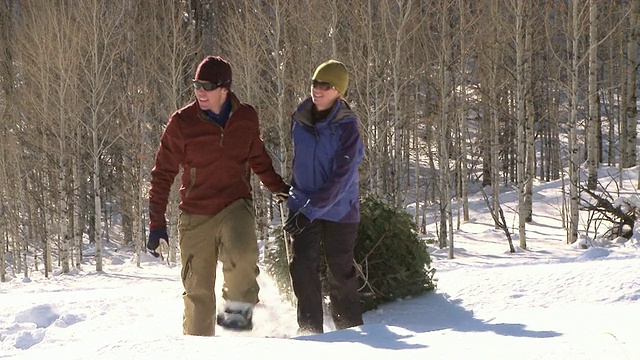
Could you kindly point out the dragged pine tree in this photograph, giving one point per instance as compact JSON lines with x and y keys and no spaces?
{"x":392,"y":262}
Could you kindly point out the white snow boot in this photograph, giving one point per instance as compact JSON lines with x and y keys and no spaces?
{"x":236,"y":316}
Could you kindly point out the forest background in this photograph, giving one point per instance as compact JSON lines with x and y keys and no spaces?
{"x":453,"y":96}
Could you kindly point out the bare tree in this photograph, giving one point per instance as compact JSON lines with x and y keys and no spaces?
{"x":6,"y":97}
{"x":593,"y":119}
{"x":368,"y":87}
{"x":574,"y":167}
{"x":629,"y":133}
{"x":466,"y":36}
{"x":446,"y":91}
{"x":521,"y":7}
{"x":399,"y":31}
{"x":99,"y":23}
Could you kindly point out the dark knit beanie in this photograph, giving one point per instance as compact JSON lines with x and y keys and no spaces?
{"x":215,"y":70}
{"x":333,"y":72}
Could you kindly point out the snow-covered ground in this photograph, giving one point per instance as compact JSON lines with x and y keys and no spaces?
{"x":551,"y":301}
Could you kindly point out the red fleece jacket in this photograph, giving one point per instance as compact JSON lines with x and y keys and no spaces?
{"x":217,"y":162}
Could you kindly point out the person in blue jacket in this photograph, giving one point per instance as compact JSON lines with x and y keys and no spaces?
{"x":324,"y":212}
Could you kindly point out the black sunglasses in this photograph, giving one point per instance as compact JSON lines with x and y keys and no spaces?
{"x":324,"y":86}
{"x":208,"y":86}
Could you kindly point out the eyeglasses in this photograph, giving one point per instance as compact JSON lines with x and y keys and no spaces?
{"x":324,"y":86}
{"x":208,"y":86}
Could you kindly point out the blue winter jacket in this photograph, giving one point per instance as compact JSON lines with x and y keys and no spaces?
{"x":326,"y":157}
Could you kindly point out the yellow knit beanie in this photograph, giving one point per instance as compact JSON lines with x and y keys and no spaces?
{"x":333,"y":72}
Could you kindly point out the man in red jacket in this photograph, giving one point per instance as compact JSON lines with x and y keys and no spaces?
{"x":216,"y":140}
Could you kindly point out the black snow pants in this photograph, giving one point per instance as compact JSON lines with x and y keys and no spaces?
{"x":335,"y":242}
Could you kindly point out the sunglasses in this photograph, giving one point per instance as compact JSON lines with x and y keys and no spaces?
{"x":324,"y":86}
{"x":207,"y":86}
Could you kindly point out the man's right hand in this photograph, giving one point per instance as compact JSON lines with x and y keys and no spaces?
{"x":154,"y":240}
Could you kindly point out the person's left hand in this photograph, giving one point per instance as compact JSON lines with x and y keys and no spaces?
{"x":296,"y":223}
{"x":154,"y":240}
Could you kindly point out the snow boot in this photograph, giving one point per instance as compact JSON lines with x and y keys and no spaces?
{"x":236,"y":316}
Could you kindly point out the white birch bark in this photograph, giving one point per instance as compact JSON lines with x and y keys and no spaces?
{"x":493,"y":111}
{"x":64,"y":196}
{"x":446,"y":231}
{"x":630,"y":105}
{"x":592,"y":121}
{"x":520,"y":115}
{"x":463,"y":196}
{"x":530,"y":150}
{"x":574,"y":168}
{"x":77,"y":208}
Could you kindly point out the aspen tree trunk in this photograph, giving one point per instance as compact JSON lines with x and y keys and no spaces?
{"x":6,"y":84}
{"x":23,"y":207}
{"x":556,"y":163}
{"x":3,"y":227}
{"x":446,"y":233}
{"x":46,"y":254}
{"x":628,"y":159}
{"x":521,"y":157}
{"x":494,"y":120}
{"x":397,"y":187}
{"x":333,"y":25}
{"x":495,"y":140}
{"x":464,"y":133}
{"x":25,"y":245}
{"x":63,"y":211}
{"x":611,"y":119}
{"x":138,"y":231}
{"x":97,"y":203}
{"x":371,"y":115}
{"x":281,"y":64}
{"x":77,"y":222}
{"x":3,"y":237}
{"x":574,"y":169}
{"x":593,"y":120}
{"x":71,"y":213}
{"x":23,"y":264}
{"x":530,"y":150}
{"x":65,"y":52}
{"x":414,"y":136}
{"x":138,"y":206}
{"x":4,"y":233}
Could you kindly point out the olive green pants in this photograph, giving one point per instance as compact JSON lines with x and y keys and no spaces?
{"x":230,"y":237}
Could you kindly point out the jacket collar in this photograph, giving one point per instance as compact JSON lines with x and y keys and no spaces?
{"x":231,"y":97}
{"x":339,"y":111}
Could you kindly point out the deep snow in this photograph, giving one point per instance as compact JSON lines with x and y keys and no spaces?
{"x":551,"y":301}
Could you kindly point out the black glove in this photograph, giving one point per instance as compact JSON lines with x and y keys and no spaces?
{"x":283,"y":195}
{"x":154,"y":240}
{"x":296,"y":223}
